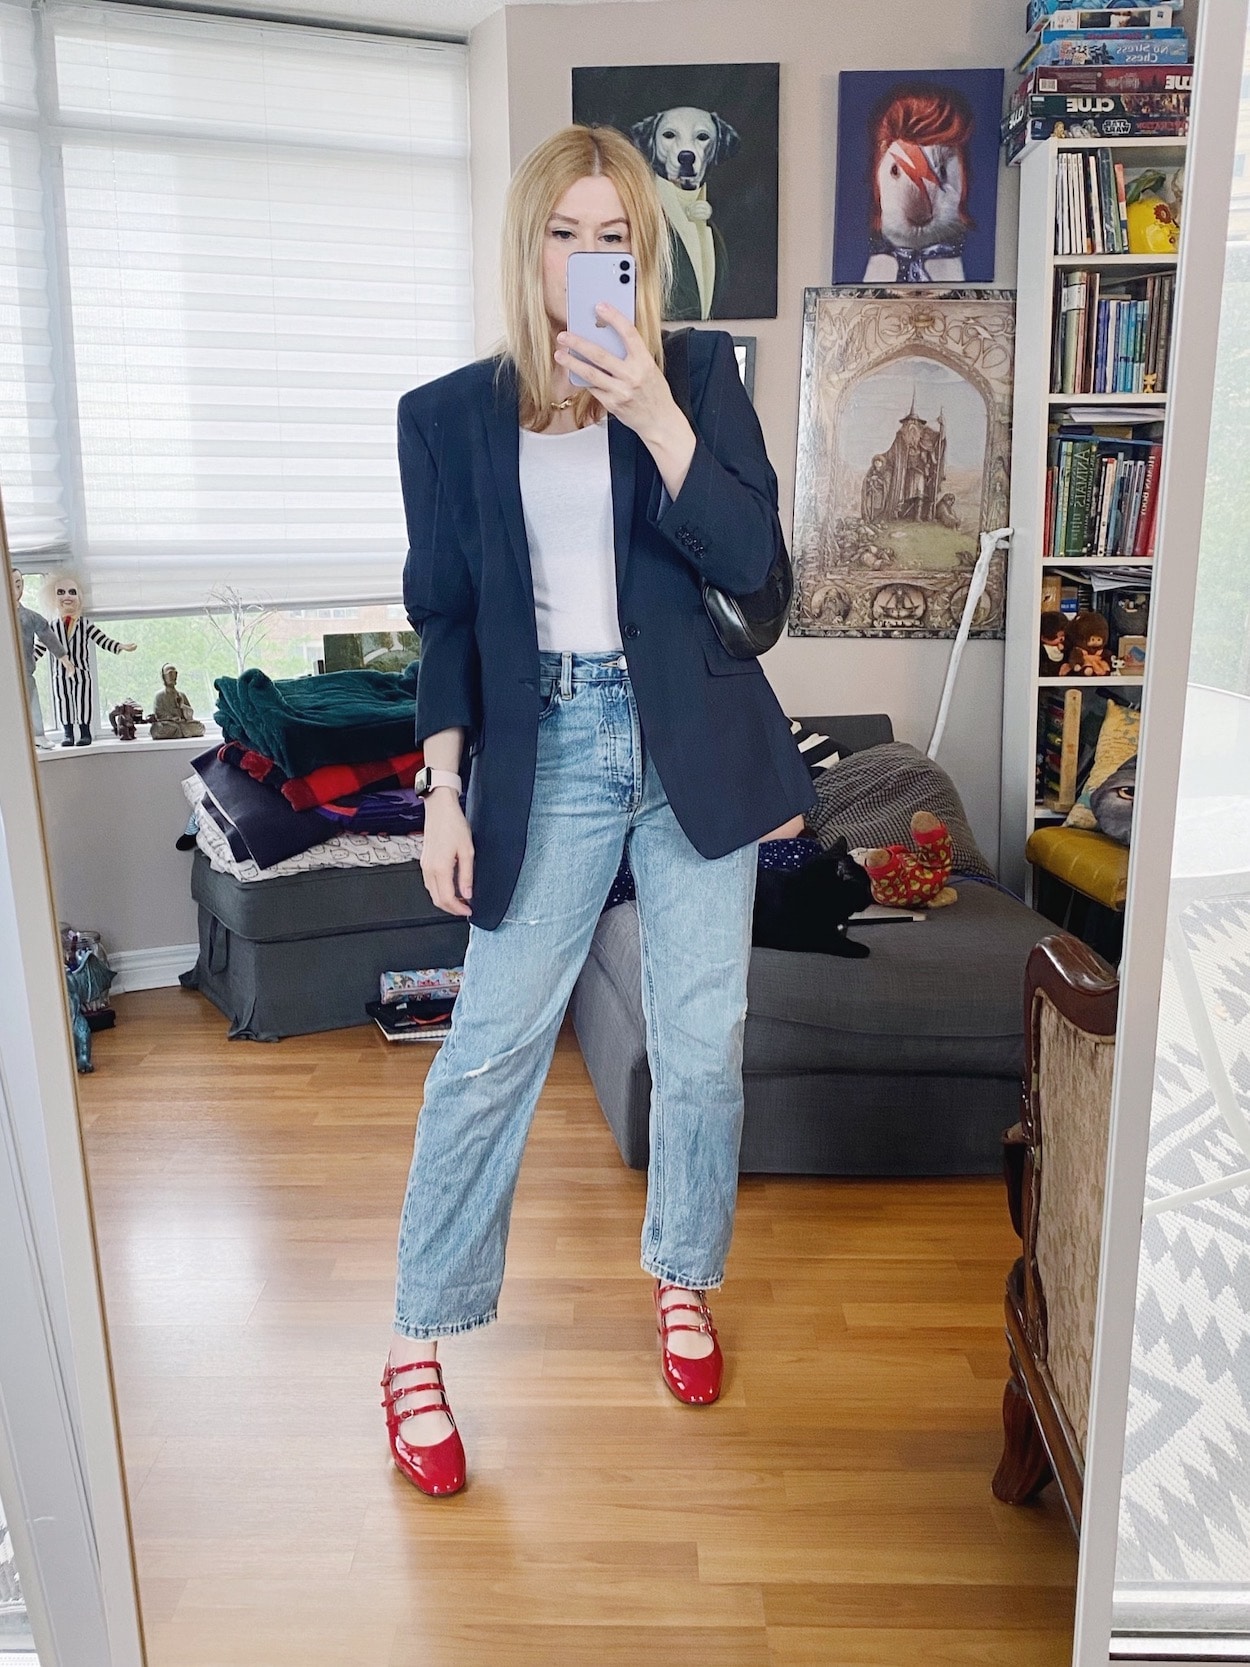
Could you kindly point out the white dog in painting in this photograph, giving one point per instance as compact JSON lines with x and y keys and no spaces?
{"x":682,"y":145}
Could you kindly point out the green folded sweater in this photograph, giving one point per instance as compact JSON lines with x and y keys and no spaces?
{"x":301,"y":723}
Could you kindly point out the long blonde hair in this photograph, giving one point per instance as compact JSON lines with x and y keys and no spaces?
{"x":573,"y":153}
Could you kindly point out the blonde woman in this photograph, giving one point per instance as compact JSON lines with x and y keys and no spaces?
{"x":559,"y":539}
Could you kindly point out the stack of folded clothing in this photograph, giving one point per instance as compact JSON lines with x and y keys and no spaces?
{"x":313,"y":772}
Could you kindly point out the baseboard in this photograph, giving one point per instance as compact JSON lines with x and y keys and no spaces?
{"x":150,"y":969}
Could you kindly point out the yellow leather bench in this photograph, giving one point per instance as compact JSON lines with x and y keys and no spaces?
{"x":1084,"y":859}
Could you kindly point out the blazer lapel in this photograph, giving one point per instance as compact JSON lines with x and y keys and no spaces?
{"x":623,"y":460}
{"x":503,"y":439}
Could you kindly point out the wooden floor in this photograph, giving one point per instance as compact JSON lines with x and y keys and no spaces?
{"x":834,"y":1508}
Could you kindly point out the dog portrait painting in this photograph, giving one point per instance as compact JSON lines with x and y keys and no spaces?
{"x":709,"y":132}
{"x":917,"y":176}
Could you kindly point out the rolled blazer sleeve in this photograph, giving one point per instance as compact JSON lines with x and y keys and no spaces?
{"x":724,"y":520}
{"x":438,"y":594}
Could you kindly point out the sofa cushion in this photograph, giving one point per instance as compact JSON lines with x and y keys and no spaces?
{"x":943,"y":995}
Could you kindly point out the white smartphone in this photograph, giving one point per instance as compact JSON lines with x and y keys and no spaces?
{"x":591,"y":276}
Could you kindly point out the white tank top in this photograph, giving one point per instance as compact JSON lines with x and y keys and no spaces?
{"x":566,"y":493}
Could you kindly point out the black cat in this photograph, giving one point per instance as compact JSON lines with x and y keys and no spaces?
{"x":807,"y":908}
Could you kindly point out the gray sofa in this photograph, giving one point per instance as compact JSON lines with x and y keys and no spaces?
{"x":907,"y":1063}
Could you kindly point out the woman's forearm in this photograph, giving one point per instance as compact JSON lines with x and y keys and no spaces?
{"x":442,"y":751}
{"x":672,"y":446}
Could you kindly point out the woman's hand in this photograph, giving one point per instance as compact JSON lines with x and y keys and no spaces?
{"x":635,"y":391}
{"x":447,"y":853}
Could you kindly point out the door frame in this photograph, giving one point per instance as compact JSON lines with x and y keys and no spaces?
{"x":61,"y":1468}
{"x":1220,"y":52}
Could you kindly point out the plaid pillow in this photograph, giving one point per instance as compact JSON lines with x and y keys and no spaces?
{"x":872,"y":794}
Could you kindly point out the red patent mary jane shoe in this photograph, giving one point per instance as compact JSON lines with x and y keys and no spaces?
{"x":696,"y":1382}
{"x":435,"y":1470}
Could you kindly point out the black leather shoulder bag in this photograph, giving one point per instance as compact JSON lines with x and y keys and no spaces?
{"x":747,"y":625}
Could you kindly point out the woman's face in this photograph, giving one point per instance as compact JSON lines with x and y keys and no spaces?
{"x":588,"y":216}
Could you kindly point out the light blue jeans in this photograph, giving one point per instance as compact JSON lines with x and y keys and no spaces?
{"x":596,"y":793}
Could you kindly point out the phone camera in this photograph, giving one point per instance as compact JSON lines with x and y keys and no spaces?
{"x":624,"y":266}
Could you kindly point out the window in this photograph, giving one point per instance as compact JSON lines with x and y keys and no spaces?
{"x":264,"y":236}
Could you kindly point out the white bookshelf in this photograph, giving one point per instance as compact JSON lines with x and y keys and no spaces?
{"x":1036,"y":406}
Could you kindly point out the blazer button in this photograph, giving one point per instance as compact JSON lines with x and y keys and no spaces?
{"x":632,"y":631}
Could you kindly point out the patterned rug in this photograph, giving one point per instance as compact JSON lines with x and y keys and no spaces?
{"x":1185,"y":1504}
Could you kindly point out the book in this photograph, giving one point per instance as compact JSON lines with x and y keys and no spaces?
{"x":1060,"y":47}
{"x":1101,"y":491}
{"x":1039,"y":16}
{"x":425,"y":981}
{"x":1111,"y":337}
{"x":881,"y":914}
{"x":417,"y":1020}
{"x":435,"y":1033}
{"x":1143,"y":543}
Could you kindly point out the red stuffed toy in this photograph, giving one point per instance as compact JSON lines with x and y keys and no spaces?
{"x":903,"y":879}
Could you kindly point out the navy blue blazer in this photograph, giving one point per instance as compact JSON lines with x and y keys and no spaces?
{"x":712,"y":724}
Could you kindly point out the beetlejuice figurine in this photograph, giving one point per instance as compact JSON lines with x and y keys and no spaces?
{"x":35,"y":629}
{"x":73,"y":697}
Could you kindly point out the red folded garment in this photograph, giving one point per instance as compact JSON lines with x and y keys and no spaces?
{"x":336,"y":781}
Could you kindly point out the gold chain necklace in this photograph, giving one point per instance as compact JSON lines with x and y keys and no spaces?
{"x":561,"y":404}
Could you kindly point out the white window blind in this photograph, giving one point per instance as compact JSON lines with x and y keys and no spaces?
{"x":30,"y":475}
{"x":266,"y":241}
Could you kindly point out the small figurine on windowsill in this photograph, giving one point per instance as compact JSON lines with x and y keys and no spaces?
{"x":73,"y":694}
{"x":35,"y":630}
{"x":125,"y":718}
{"x":173,"y":718}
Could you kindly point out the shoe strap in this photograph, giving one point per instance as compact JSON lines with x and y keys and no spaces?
{"x":413,"y":1412}
{"x":700,"y":1308}
{"x":415,"y":1366}
{"x":391,"y":1396}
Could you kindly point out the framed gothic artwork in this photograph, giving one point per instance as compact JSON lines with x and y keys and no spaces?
{"x":904,"y":450}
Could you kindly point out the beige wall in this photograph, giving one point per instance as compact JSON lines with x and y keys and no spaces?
{"x":812,"y":40}
{"x":490,"y":166}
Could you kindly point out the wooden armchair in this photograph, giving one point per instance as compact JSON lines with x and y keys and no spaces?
{"x":1055,"y":1159}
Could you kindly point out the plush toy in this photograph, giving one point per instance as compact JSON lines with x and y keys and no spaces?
{"x":1052,"y":650}
{"x":1087,"y":646}
{"x":903,"y":879}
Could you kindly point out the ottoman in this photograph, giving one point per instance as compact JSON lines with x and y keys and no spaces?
{"x":302,"y":953}
{"x":907,"y":1063}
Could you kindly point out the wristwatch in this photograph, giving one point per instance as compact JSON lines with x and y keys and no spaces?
{"x":426,"y":780}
